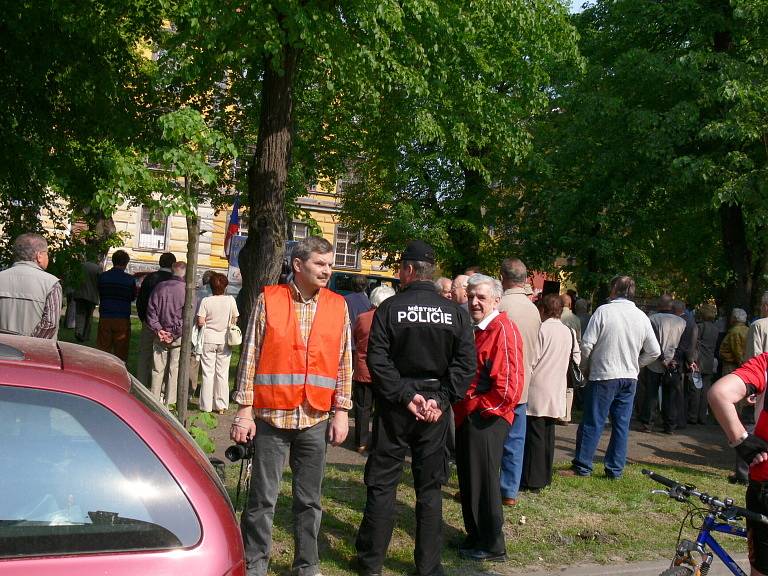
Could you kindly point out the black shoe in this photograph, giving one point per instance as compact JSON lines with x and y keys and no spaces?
{"x":484,"y":556}
{"x":734,"y":479}
{"x":669,"y":431}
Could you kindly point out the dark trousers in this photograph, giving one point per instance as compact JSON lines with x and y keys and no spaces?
{"x":362,"y":398}
{"x":305,"y":450}
{"x":479,"y":448}
{"x":697,"y":400}
{"x":83,"y":319}
{"x":671,"y":398}
{"x":539,"y":452}
{"x":395,"y":430}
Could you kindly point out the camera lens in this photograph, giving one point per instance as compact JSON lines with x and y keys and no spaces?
{"x":236,"y":452}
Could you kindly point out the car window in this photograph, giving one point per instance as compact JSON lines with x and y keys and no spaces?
{"x":142,"y":393}
{"x":76,"y":479}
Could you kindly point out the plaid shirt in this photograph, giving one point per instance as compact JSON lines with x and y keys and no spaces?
{"x":303,"y":416}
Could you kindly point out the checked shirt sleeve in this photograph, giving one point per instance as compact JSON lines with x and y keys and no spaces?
{"x":251,"y":351}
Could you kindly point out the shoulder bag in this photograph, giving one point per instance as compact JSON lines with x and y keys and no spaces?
{"x":575,"y":377}
{"x":234,"y":335}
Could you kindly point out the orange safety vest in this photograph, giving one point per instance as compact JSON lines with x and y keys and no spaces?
{"x":288,"y":368}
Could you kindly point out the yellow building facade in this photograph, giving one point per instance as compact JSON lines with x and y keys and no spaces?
{"x":147,"y":237}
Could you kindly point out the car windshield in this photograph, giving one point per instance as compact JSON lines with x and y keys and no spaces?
{"x":77,"y":479}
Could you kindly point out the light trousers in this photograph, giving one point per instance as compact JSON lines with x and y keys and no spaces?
{"x":214,"y":392}
{"x":165,"y":370}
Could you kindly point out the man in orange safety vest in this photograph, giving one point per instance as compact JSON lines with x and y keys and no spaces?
{"x":294,"y":390}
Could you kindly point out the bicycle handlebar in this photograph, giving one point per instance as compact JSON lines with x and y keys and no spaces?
{"x":682,"y":491}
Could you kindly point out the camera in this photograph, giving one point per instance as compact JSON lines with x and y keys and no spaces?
{"x":239,"y":452}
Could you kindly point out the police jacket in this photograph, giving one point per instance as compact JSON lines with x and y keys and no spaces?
{"x":421,"y":343}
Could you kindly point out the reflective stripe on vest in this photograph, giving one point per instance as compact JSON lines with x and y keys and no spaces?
{"x":290,"y":370}
{"x":295,"y":380}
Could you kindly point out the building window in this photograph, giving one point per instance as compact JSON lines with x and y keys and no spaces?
{"x":243,"y":226}
{"x":346,"y":249}
{"x":152,"y":229}
{"x":299,"y":230}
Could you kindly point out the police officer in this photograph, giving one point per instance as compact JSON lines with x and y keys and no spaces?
{"x":421,"y":357}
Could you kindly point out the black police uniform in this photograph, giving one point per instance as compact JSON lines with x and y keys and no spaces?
{"x":420,"y":343}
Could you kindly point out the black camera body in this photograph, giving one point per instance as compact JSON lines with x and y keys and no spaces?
{"x":239,"y":452}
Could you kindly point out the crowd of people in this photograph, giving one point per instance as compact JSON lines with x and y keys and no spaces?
{"x":32,"y":301}
{"x":475,"y":369}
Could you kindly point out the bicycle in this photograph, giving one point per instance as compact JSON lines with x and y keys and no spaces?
{"x":695,"y":558}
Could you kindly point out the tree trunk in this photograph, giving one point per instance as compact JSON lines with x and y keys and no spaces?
{"x":737,"y":252}
{"x":466,"y":237}
{"x":738,"y":255}
{"x":262,"y":255}
{"x":193,"y":245}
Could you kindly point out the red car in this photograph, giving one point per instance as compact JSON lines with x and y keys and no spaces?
{"x":97,"y":478}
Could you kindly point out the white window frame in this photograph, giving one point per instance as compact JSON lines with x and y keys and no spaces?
{"x":156,"y":240}
{"x":343,"y":242}
{"x":243,"y":225}
{"x":299,"y":230}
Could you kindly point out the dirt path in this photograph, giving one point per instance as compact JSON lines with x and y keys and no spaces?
{"x":696,"y":446}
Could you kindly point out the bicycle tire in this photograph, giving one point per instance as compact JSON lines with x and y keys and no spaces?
{"x":677,"y":571}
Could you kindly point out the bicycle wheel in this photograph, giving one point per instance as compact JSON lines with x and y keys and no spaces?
{"x":677,"y":571}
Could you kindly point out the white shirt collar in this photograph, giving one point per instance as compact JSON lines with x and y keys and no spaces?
{"x":483,"y":324}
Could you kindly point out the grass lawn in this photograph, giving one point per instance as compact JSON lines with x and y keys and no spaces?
{"x":576,"y":520}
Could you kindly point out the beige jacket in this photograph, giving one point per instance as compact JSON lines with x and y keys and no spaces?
{"x":526,"y":317}
{"x":546,"y":396}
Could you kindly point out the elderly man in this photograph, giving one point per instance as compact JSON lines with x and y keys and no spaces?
{"x":618,"y":342}
{"x":443,"y":286}
{"x":421,"y":356}
{"x":294,"y":391}
{"x":459,"y":290}
{"x":524,"y":314}
{"x":147,"y":336}
{"x":483,"y":418}
{"x":665,"y":371}
{"x":30,"y":298}
{"x":165,"y":318}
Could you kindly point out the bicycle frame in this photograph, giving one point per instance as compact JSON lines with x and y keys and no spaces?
{"x":706,"y":540}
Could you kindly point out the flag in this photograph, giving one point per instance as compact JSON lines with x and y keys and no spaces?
{"x":234,"y":225}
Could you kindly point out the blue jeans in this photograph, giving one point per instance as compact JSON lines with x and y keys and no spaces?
{"x":601,"y":398}
{"x":512,"y":460}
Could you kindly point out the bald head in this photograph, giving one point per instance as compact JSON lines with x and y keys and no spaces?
{"x":513,"y":273}
{"x":664,"y":303}
{"x":459,"y":289}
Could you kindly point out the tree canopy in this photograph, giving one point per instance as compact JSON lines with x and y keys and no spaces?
{"x":72,"y":85}
{"x":653,"y":162}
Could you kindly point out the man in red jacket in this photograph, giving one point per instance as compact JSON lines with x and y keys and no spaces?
{"x":483,"y":419}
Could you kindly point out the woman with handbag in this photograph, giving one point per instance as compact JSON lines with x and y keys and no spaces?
{"x":217,"y":316}
{"x":546,"y":393}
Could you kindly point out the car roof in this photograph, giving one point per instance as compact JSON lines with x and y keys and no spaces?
{"x":51,"y":354}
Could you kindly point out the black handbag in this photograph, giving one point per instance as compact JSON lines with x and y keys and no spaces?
{"x":575,"y":377}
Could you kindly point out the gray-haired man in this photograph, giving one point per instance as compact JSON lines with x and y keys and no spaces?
{"x":30,"y":298}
